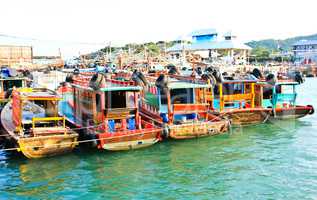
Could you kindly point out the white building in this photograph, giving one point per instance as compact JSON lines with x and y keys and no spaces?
{"x":207,"y":44}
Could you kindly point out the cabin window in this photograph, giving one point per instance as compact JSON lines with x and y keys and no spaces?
{"x":182,"y":96}
{"x":163,"y":96}
{"x":130,"y":100}
{"x":41,"y":108}
{"x":98,"y":102}
{"x":229,"y":89}
{"x":7,"y":84}
{"x":267,"y":92}
{"x":287,"y":89}
{"x":86,"y":100}
{"x":116,"y":99}
{"x":278,"y":89}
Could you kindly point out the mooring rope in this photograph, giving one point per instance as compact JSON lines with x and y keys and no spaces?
{"x":68,"y":143}
{"x":155,"y":129}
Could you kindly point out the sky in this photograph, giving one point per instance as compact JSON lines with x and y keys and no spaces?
{"x":73,"y":24}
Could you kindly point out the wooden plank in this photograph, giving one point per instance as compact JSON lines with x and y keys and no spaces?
{"x":190,"y":108}
{"x":237,"y":97}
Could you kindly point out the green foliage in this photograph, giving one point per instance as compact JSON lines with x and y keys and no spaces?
{"x":260,"y":54}
{"x":286,"y":44}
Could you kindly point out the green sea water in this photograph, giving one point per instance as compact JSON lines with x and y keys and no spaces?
{"x":277,"y":160}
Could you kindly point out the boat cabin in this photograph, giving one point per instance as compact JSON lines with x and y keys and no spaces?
{"x":282,"y":94}
{"x":232,"y":94}
{"x":35,"y":110}
{"x":116,"y":104}
{"x":179,"y":101}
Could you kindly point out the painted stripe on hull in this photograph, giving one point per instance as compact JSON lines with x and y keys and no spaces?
{"x":136,"y":144}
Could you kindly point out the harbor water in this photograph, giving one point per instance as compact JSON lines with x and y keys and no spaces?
{"x":277,"y":160}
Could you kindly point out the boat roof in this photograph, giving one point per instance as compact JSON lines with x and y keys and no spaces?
{"x":114,"y":87}
{"x":38,"y":93}
{"x":121,"y":88}
{"x":282,"y":83}
{"x":13,"y":78}
{"x":239,"y":81}
{"x":183,"y":85}
{"x":287,"y":83}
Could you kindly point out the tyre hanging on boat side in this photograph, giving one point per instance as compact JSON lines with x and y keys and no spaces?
{"x":69,"y":78}
{"x":312,"y":110}
{"x":96,"y":81}
{"x":161,"y":81}
{"x":298,"y":77}
{"x":270,"y":79}
{"x":257,"y":73}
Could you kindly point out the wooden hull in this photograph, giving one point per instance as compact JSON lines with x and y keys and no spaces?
{"x":47,"y":146}
{"x":292,"y":112}
{"x":198,"y":129}
{"x":245,"y":117}
{"x":195,"y":129}
{"x":39,"y":146}
{"x":129,"y":140}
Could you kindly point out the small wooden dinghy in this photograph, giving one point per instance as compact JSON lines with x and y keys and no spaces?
{"x":32,"y":123}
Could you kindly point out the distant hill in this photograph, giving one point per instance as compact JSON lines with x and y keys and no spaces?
{"x":286,"y":44}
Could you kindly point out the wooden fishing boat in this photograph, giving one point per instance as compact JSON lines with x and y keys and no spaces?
{"x":237,"y":100}
{"x":234,"y":99}
{"x":32,"y":123}
{"x":175,"y":106}
{"x":281,"y":98}
{"x":106,"y":112}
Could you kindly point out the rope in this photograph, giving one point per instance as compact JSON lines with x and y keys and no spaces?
{"x":10,"y":149}
{"x":68,"y":143}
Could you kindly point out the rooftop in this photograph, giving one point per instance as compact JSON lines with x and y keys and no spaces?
{"x":113,"y":87}
{"x":210,"y":31}
{"x":226,"y":44}
{"x":305,"y":42}
{"x":183,"y":84}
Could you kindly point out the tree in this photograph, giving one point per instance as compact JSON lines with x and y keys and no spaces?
{"x":261,"y":54}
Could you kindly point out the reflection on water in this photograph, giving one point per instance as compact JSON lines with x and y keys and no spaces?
{"x":277,"y":160}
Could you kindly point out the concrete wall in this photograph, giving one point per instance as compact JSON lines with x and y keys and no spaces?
{"x":15,"y":55}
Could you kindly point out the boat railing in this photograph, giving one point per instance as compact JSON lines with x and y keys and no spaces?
{"x":120,"y":113}
{"x":25,"y":90}
{"x":121,"y":82}
{"x":286,"y":98}
{"x":238,"y":98}
{"x":190,"y":108}
{"x":82,"y":81}
{"x":150,"y":106}
{"x":37,"y":130}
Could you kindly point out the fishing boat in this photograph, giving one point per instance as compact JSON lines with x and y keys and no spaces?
{"x":6,"y":85}
{"x":281,"y":98}
{"x":175,"y":106}
{"x":10,"y":78}
{"x":106,"y":112}
{"x":238,"y":101}
{"x":31,"y":122}
{"x":234,"y":98}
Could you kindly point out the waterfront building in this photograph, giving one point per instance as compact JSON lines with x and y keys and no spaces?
{"x":11,"y":55}
{"x":305,"y":51}
{"x":207,"y":44}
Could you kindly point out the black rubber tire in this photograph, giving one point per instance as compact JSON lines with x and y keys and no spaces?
{"x":312,"y":111}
